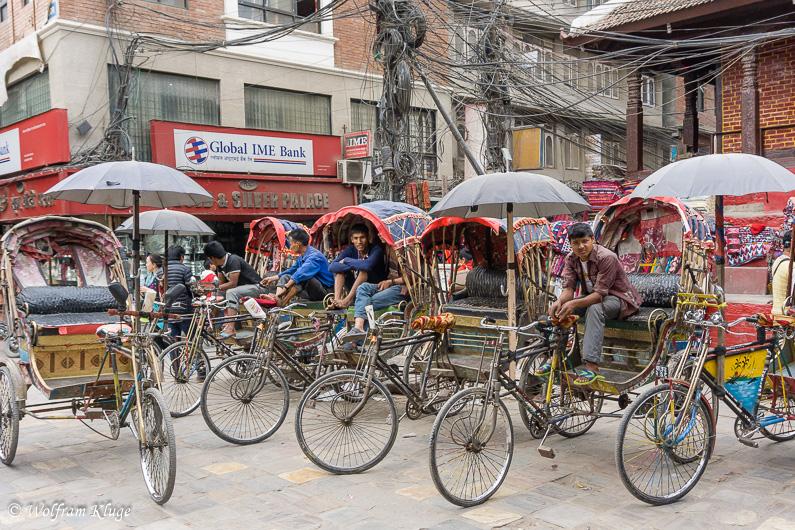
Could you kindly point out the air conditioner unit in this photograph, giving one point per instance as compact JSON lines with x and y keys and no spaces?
{"x":354,"y":172}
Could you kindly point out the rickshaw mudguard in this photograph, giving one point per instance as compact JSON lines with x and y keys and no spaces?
{"x":20,"y":385}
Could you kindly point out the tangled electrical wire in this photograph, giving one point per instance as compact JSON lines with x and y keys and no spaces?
{"x":400,"y":30}
{"x":494,"y":59}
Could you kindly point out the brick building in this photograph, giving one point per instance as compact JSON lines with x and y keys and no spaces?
{"x":752,"y":85}
{"x":313,"y":84}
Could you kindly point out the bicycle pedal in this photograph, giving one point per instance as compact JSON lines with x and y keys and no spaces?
{"x":747,"y":441}
{"x":546,"y":451}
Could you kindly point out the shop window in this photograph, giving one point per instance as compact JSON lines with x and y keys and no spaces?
{"x":282,"y":110}
{"x":158,"y":96}
{"x":173,"y":3}
{"x":280,"y":12}
{"x":26,"y":98}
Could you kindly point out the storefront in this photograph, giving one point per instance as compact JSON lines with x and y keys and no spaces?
{"x":249,"y":173}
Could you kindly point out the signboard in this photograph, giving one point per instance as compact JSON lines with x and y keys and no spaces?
{"x":235,"y":198}
{"x":36,"y":142}
{"x":527,"y":148}
{"x":593,"y":153}
{"x":357,"y":145}
{"x":222,"y":149}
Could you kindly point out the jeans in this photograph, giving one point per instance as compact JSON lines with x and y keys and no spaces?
{"x":595,"y":316}
{"x":182,"y":326}
{"x":311,"y":288}
{"x":368,"y":294}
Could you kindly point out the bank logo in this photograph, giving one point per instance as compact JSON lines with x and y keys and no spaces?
{"x":196,"y":150}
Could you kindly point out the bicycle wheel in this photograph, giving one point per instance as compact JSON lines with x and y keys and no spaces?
{"x":440,"y":385}
{"x":782,"y":431}
{"x":470,"y":451}
{"x":242,"y":402}
{"x":532,"y":386}
{"x":333,"y":439}
{"x":183,"y":378}
{"x":159,"y":452}
{"x":572,"y":410}
{"x":661,"y":450}
{"x":9,"y":417}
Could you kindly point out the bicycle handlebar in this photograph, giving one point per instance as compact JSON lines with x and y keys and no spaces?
{"x":141,"y":314}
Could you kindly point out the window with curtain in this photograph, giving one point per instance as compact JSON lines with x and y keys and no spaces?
{"x":169,"y":97}
{"x":26,"y":98}
{"x":280,"y":12}
{"x":282,"y":110}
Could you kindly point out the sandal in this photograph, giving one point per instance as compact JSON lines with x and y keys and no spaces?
{"x":590,"y":376}
{"x":544,"y":369}
{"x":226,"y":336}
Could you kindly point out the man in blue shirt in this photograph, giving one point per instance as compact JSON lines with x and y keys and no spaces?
{"x":309,"y":274}
{"x":358,"y":263}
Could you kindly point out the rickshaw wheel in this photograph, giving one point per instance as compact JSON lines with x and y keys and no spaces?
{"x":11,"y":348}
{"x":532,"y":386}
{"x":9,"y":417}
{"x":159,"y":453}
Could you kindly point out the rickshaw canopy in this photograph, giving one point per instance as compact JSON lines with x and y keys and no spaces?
{"x":477,"y":233}
{"x":265,"y":232}
{"x":398,"y":224}
{"x":659,"y":226}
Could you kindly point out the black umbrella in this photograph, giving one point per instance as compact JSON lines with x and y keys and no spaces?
{"x":503,"y":195}
{"x":131,"y":184}
{"x":165,"y":222}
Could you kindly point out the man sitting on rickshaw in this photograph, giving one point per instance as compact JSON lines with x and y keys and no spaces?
{"x":309,"y":274}
{"x":358,"y":264}
{"x":605,"y":293}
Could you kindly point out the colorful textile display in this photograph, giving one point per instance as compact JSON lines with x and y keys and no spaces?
{"x":602,"y":193}
{"x":744,"y":246}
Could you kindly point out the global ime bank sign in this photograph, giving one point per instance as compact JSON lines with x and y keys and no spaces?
{"x":224,"y":150}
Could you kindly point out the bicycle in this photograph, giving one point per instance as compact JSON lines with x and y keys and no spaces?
{"x":185,"y":363}
{"x":667,"y":435}
{"x":246,"y":397}
{"x":471,"y":442}
{"x":346,"y":421}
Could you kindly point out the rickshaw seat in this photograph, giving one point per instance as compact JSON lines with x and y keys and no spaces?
{"x":265,"y":302}
{"x":768,"y":320}
{"x":566,"y":322}
{"x":112,"y":329}
{"x":439,"y":323}
{"x":70,"y":323}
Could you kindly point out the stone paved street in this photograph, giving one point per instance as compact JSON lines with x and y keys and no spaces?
{"x":272,"y":485}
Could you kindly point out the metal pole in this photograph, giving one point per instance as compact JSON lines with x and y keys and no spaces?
{"x":136,"y":252}
{"x":450,"y":123}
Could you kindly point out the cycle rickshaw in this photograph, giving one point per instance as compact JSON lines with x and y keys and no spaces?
{"x":60,"y":279}
{"x":476,"y":419}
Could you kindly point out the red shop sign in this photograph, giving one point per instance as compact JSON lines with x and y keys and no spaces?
{"x":357,"y":145}
{"x":206,"y":148}
{"x":39,"y":141}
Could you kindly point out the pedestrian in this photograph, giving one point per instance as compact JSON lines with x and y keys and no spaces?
{"x":780,"y":270}
{"x":153,"y":264}
{"x":237,"y":279}
{"x":179,"y":273}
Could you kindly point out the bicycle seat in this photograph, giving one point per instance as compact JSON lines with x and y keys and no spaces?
{"x":565,"y":323}
{"x":773,"y":321}
{"x":112,"y":329}
{"x":439,"y":323}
